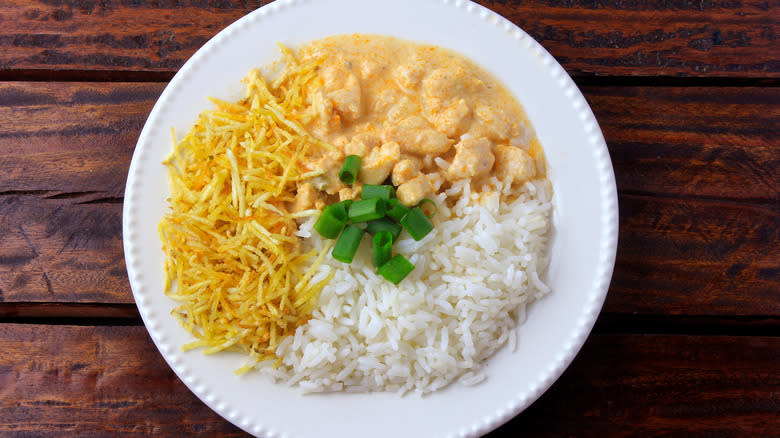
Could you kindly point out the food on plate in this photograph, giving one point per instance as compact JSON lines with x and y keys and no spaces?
{"x":375,"y":216}
{"x":243,"y":277}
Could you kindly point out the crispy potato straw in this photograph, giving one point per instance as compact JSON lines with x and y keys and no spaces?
{"x":232,"y":258}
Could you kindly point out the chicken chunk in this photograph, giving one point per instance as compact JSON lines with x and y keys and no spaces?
{"x":416,"y":136}
{"x":351,"y":193}
{"x":379,"y":162}
{"x":384,"y":101}
{"x":368,"y":68}
{"x":435,"y":180}
{"x":513,"y":164}
{"x":451,"y":119}
{"x":331,"y":164}
{"x":402,"y":109}
{"x":405,"y":170}
{"x":413,"y":191}
{"x":340,"y":141}
{"x":473,"y":159}
{"x":448,"y":83}
{"x":327,"y":120}
{"x":361,"y":144}
{"x":408,"y":75}
{"x":493,"y":123}
{"x":347,"y":99}
{"x":308,"y":197}
{"x":333,"y":74}
{"x":443,"y":100}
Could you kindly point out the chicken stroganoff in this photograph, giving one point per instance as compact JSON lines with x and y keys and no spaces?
{"x":421,"y":115}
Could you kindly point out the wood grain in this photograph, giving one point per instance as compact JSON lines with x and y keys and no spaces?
{"x":696,"y":257}
{"x":91,"y":381}
{"x":71,"y":137}
{"x":707,"y":142}
{"x":693,"y":386}
{"x":94,"y":381}
{"x":653,"y":37}
{"x":61,"y":250}
{"x":605,"y":37}
{"x":65,"y":137}
{"x":128,"y":36}
{"x":699,"y":193}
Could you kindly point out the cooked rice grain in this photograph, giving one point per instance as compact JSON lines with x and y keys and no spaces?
{"x":474,"y":276}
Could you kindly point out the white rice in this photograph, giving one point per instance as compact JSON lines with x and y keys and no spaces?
{"x":474,"y":275}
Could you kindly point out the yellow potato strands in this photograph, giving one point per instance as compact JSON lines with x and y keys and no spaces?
{"x":229,"y":240}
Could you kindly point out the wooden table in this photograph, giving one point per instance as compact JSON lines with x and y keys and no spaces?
{"x":686,"y":93}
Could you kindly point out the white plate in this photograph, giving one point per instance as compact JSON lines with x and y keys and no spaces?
{"x":585,"y":221}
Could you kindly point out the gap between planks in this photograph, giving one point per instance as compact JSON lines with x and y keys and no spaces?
{"x":755,"y":202}
{"x":86,"y":197}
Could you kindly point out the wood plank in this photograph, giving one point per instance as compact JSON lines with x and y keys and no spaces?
{"x":696,"y":258}
{"x":705,"y":142}
{"x":660,"y":385}
{"x":653,"y":37}
{"x":91,"y":381}
{"x":125,"y":36}
{"x":94,"y":381}
{"x":61,"y":250}
{"x":71,"y":137}
{"x":675,"y":256}
{"x":606,"y":37}
{"x":711,"y":142}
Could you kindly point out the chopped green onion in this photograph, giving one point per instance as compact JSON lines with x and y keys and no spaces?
{"x":384,"y":224}
{"x":416,"y":223}
{"x":345,"y":248}
{"x":396,"y":269}
{"x":374,"y":191}
{"x":382,"y":249}
{"x":346,"y":203}
{"x":350,"y":169}
{"x":331,"y":221}
{"x":396,"y":210}
{"x":433,"y":209}
{"x":367,"y":210}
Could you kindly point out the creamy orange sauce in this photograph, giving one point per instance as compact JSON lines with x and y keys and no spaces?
{"x":420,"y":116}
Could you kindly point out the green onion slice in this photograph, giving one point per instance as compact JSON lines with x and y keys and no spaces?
{"x":396,"y":210}
{"x":331,"y":221}
{"x":382,"y":249}
{"x":416,"y":223}
{"x":384,"y":224}
{"x":345,"y":248}
{"x":373,"y":191}
{"x":396,"y":269}
{"x":367,"y":210}
{"x":433,"y":208}
{"x":349,"y":171}
{"x":346,"y":203}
